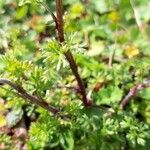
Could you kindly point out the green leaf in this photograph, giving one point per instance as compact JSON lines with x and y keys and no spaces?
{"x":23,"y":2}
{"x":21,"y":12}
{"x":109,"y":95}
{"x":145,"y":93}
{"x":141,"y":141}
{"x":69,"y":141}
{"x":96,"y":48}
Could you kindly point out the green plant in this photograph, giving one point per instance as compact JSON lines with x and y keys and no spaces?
{"x":5,"y":142}
{"x":87,"y":107}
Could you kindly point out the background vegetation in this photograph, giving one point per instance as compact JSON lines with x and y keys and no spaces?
{"x":109,"y":41}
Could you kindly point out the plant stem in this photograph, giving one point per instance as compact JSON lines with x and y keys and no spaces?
{"x":133,"y":92}
{"x":59,"y":16}
{"x":22,"y":93}
{"x":68,"y":54}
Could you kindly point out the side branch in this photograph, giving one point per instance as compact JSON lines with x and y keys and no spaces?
{"x":22,"y":93}
{"x":133,"y":92}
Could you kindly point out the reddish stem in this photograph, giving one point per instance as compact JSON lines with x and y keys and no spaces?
{"x":22,"y":93}
{"x":133,"y":92}
{"x":68,"y":54}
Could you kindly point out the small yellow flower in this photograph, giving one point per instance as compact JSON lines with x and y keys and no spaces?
{"x":131,"y":51}
{"x":113,"y":16}
{"x":76,"y":10}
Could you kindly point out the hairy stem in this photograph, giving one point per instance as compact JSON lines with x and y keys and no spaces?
{"x":133,"y":92}
{"x":59,"y":16}
{"x":68,"y":54}
{"x":22,"y":93}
